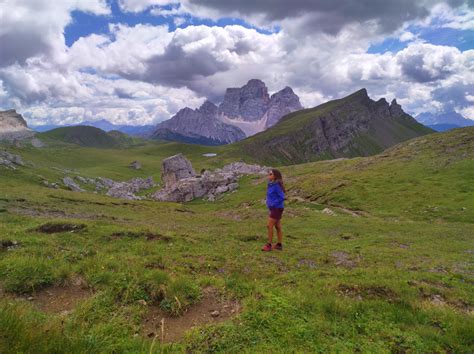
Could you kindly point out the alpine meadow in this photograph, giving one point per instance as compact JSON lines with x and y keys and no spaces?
{"x":195,"y":176}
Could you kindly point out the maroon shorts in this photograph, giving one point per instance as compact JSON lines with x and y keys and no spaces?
{"x":276,"y":213}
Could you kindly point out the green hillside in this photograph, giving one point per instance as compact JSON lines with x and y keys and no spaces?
{"x":87,"y":136}
{"x":377,"y":255}
{"x":347,"y":127}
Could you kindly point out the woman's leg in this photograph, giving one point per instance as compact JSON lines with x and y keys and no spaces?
{"x":279,"y":231}
{"x":270,"y":225}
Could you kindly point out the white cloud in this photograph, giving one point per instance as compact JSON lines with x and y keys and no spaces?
{"x":34,"y":28}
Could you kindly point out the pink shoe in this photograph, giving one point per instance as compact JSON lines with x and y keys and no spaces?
{"x":267,"y":247}
{"x":278,"y":247}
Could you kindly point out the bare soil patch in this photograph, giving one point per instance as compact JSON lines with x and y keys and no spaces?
{"x":149,"y":236}
{"x":60,"y":299}
{"x":367,"y":292}
{"x":211,"y":309}
{"x":344,"y":259}
{"x":52,"y":227}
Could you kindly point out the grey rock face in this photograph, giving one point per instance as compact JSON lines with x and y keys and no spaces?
{"x":249,"y":102}
{"x":282,"y":103}
{"x":200,"y":126}
{"x":69,"y":183}
{"x":9,"y":160}
{"x":210,"y":185}
{"x":13,"y":126}
{"x":176,"y":168}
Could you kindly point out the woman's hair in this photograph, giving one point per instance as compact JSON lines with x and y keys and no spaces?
{"x":278,"y":178}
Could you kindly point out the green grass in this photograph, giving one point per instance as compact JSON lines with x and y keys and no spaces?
{"x":412,"y":243}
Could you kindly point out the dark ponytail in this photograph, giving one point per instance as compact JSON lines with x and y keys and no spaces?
{"x":279,"y":179}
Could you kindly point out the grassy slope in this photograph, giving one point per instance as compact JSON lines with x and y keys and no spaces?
{"x":418,"y":195}
{"x":86,"y":136}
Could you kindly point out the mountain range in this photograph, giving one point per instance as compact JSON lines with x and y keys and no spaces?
{"x":351,"y":126}
{"x":105,"y":125}
{"x":243,"y":112}
{"x":444,"y":120}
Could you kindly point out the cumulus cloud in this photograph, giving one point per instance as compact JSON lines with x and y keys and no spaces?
{"x":33,"y":28}
{"x":426,"y":62}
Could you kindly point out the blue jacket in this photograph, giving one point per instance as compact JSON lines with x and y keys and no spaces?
{"x":275,"y":195}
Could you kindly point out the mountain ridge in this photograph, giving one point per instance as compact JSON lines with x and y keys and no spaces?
{"x":351,"y":126}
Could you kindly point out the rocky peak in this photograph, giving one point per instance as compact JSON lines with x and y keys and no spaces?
{"x":248,"y":102}
{"x":208,"y":108}
{"x":281,"y":103}
{"x":395,"y":109}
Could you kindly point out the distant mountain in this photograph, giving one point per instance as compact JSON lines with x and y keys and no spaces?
{"x":13,"y":126}
{"x":88,"y":136}
{"x":198,"y":126}
{"x":105,"y":125}
{"x":352,"y":126}
{"x":443,"y":127}
{"x":244,"y":111}
{"x":444,"y":121}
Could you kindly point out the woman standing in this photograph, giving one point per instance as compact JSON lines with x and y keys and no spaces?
{"x":275,"y":203}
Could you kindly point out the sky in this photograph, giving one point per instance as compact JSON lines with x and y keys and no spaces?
{"x":139,"y":61}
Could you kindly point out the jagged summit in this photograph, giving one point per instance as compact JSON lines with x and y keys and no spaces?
{"x":243,"y":112}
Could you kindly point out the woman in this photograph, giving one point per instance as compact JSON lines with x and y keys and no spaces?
{"x":275,"y":203}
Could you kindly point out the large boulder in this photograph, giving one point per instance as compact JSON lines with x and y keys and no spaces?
{"x":176,"y":168}
{"x":210,"y":185}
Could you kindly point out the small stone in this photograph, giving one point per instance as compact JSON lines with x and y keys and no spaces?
{"x":30,"y":298}
{"x":215,"y":313}
{"x":136,"y":165}
{"x":328,"y":211}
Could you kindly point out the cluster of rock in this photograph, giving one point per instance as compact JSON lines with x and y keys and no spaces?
{"x":123,"y":190}
{"x":13,"y":126}
{"x":10,"y":161}
{"x":244,"y":111}
{"x":182,"y":184}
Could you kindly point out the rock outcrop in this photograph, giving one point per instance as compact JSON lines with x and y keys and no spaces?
{"x":123,"y":190}
{"x":135,"y":165}
{"x":72,"y":185}
{"x":128,"y":190}
{"x":182,"y":185}
{"x":176,"y":168}
{"x":10,"y":161}
{"x":243,"y":112}
{"x":13,"y":126}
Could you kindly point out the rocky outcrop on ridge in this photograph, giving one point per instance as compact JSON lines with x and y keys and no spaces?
{"x":181,"y":184}
{"x":13,"y":126}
